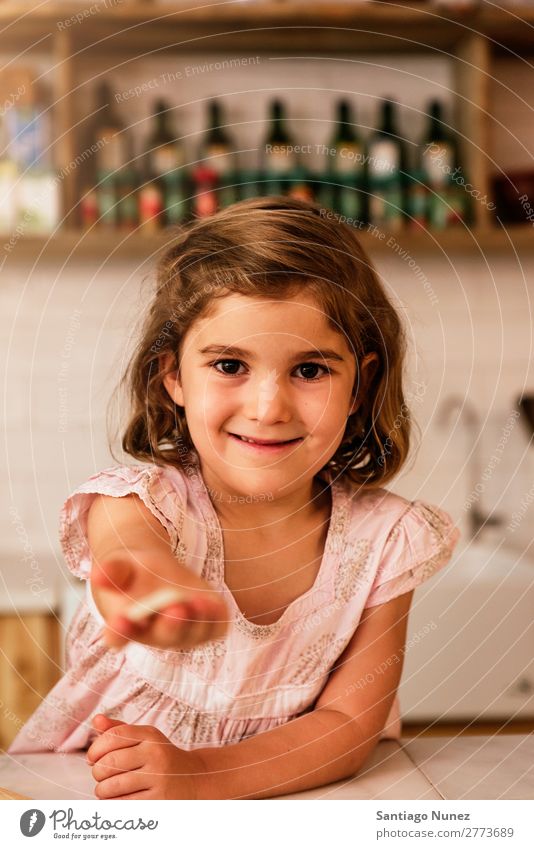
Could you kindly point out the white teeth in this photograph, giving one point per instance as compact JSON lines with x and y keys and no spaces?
{"x":253,"y":441}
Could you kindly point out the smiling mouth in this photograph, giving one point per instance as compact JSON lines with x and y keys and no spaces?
{"x":265,"y":441}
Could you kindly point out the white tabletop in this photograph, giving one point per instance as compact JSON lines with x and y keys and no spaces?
{"x":462,"y":767}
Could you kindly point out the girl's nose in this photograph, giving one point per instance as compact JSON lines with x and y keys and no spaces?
{"x":268,"y":402}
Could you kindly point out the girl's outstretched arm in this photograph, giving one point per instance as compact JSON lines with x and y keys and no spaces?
{"x":334,"y":740}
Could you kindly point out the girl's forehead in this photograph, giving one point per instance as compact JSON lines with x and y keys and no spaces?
{"x":235,"y":309}
{"x":299,"y":321}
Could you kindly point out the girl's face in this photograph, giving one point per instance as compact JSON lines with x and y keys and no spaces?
{"x":253,"y":370}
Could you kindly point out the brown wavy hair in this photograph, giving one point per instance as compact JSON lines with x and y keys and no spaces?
{"x":272,"y":247}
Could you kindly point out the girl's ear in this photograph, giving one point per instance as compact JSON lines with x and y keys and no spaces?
{"x":171,"y":380}
{"x":367,"y":368}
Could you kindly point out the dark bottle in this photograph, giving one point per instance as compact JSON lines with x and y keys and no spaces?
{"x":108,"y":133}
{"x":386,"y":172}
{"x":447,"y":200}
{"x":346,"y":148}
{"x":217,"y":147}
{"x":278,"y":152}
{"x":438,"y":150}
{"x":344,"y":189}
{"x":386,"y":149}
{"x":164,"y":152}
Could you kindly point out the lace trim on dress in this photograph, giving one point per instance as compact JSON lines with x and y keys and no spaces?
{"x":214,"y":566}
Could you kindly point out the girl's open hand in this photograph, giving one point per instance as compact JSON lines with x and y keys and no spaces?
{"x":139,"y":762}
{"x":150,"y":598}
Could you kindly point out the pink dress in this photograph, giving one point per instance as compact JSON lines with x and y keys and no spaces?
{"x":379,"y":545}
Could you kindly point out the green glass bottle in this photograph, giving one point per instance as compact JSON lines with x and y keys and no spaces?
{"x":218,"y":151}
{"x":346,"y":146}
{"x":108,"y":133}
{"x":278,"y":155}
{"x":386,"y":155}
{"x":163,"y":151}
{"x":385,"y":171}
{"x":438,"y":149}
{"x":447,"y":201}
{"x":346,"y":158}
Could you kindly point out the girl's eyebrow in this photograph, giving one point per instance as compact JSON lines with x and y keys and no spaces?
{"x":232,"y":350}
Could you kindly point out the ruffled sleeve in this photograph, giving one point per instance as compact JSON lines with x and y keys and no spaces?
{"x":419,"y":544}
{"x":161,"y":489}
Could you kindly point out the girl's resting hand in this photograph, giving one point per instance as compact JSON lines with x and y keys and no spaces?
{"x":149,"y":597}
{"x":139,"y":762}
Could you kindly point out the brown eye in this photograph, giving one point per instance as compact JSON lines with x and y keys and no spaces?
{"x":309,"y":370}
{"x":229,"y":367}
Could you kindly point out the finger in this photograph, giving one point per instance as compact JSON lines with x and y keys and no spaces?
{"x":211,"y":620}
{"x":208,"y":608}
{"x":213,"y":611}
{"x":176,"y":611}
{"x":118,"y":762}
{"x":168,"y":627}
{"x":119,"y":631}
{"x":185,"y":631}
{"x":102,"y":723}
{"x":154,"y":602}
{"x":200,"y":608}
{"x":164,"y":632}
{"x":121,"y":785}
{"x":122,"y":629}
{"x":116,"y":738}
{"x":143,"y":794}
{"x":113,"y":574}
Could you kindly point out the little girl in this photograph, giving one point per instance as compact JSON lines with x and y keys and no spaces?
{"x":250,"y":577}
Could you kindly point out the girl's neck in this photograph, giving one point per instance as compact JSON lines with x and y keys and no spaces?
{"x":270,"y":517}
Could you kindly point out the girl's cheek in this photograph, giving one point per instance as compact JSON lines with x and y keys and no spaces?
{"x":215,"y":409}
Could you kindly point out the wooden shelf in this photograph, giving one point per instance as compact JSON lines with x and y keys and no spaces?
{"x":109,"y":246}
{"x":71,"y":32}
{"x":137,"y":27}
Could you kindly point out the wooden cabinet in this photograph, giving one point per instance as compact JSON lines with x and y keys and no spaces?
{"x":29,"y":667}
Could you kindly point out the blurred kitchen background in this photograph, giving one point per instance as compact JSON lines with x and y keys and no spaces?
{"x":120,"y":120}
